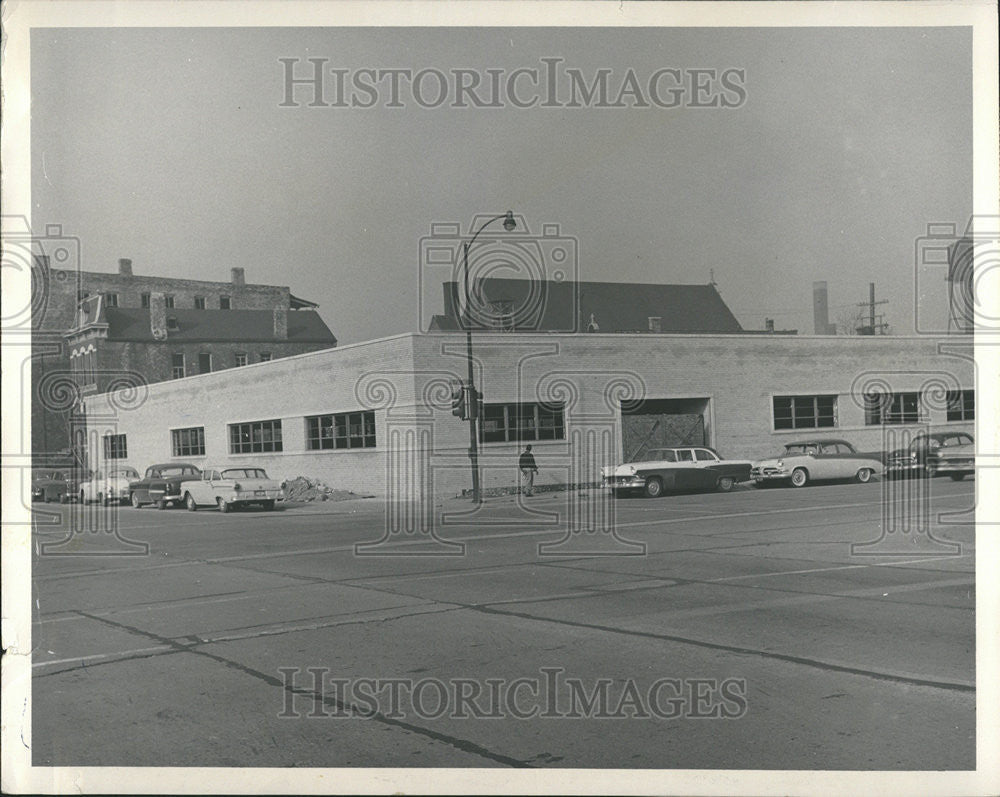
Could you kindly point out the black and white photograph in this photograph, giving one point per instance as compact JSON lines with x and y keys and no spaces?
{"x":500,"y":397}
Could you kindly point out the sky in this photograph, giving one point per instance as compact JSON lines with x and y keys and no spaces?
{"x":170,"y":146}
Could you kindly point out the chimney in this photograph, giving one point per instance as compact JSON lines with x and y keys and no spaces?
{"x":769,"y":325}
{"x":821,"y":310}
{"x":158,"y":316}
{"x":125,"y":267}
{"x":239,"y":278}
{"x":281,"y":322}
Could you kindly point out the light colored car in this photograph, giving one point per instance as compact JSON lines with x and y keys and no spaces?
{"x":229,"y":488}
{"x":817,"y":460}
{"x":676,"y":468}
{"x":109,"y":486}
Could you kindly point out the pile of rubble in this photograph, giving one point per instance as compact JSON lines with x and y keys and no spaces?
{"x":303,"y":489}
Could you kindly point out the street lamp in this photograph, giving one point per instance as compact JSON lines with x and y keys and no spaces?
{"x":472,"y":403}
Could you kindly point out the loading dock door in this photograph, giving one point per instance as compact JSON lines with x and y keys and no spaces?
{"x":663,"y":423}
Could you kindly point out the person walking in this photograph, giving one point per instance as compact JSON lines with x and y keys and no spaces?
{"x":528,"y":469}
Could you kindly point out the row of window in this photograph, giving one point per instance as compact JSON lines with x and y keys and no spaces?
{"x":225,"y":302}
{"x":881,"y":409}
{"x":178,"y":362}
{"x":522,"y":422}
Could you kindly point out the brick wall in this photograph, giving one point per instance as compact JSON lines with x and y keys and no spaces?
{"x":405,"y":379}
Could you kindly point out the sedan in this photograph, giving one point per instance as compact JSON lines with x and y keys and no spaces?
{"x":162,"y":485}
{"x":109,"y":486}
{"x":816,"y":460}
{"x":230,"y":488}
{"x":678,"y":468}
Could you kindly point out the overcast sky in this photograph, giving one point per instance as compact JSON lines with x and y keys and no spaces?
{"x":169,"y":146}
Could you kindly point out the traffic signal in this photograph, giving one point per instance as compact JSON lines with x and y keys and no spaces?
{"x":458,"y":401}
{"x":475,"y":403}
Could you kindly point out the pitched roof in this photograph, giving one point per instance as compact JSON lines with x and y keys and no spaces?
{"x":304,"y":326}
{"x":615,"y":306}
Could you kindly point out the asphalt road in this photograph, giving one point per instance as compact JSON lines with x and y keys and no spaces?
{"x":750,"y":634}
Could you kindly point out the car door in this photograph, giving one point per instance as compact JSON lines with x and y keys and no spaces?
{"x":708,"y":468}
{"x":687,"y":475}
{"x":142,"y":488}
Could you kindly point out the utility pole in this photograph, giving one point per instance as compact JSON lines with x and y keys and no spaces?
{"x":871,"y":304}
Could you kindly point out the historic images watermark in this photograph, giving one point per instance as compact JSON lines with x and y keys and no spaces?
{"x":551,"y":83}
{"x":57,"y":384}
{"x":317,"y":693}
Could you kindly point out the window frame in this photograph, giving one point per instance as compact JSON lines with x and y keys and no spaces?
{"x":966,"y":410}
{"x":338,"y":431}
{"x":880,"y":412}
{"x":115,"y":446}
{"x":796,"y":419}
{"x":241,"y":354}
{"x":256,"y":437}
{"x":199,"y":302}
{"x":190,"y":447}
{"x":174,"y":366}
{"x":547,"y":422}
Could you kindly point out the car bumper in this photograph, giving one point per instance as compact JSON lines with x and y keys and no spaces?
{"x":897,"y":468}
{"x":954,"y":466}
{"x":769,"y":474}
{"x":254,"y":496}
{"x":623,"y":482}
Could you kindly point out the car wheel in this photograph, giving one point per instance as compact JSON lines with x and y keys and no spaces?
{"x":957,"y":477}
{"x":189,"y":502}
{"x":224,"y":506}
{"x":654,"y":487}
{"x":864,"y":475}
{"x":930,"y":470}
{"x":799,"y":477}
{"x":161,"y":504}
{"x":135,"y":501}
{"x":725,"y":484}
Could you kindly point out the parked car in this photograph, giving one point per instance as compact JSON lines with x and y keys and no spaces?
{"x":230,"y":488}
{"x":817,"y":460}
{"x":109,"y":486}
{"x":676,"y":468}
{"x":957,"y":460}
{"x":162,"y":485}
{"x":920,"y":457}
{"x":54,"y":484}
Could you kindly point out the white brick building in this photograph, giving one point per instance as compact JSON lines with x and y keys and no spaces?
{"x":376,"y":417}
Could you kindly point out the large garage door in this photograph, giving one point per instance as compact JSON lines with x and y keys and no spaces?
{"x":661,"y":423}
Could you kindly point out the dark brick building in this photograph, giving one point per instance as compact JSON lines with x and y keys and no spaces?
{"x":96,"y":328}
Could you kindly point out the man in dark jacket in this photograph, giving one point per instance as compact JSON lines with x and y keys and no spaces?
{"x":528,"y":469}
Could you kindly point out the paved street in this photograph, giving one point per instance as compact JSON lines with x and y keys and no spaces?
{"x":749,"y":635}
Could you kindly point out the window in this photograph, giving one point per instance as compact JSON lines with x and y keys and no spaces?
{"x":265,"y":356}
{"x":199,"y":302}
{"x":704,"y":455}
{"x":241,"y":358}
{"x":683,"y":455}
{"x":111,"y":299}
{"x":515,"y":422}
{"x":891,"y":408}
{"x":205,"y":363}
{"x":172,"y":323}
{"x":188,"y":442}
{"x":345,"y":430}
{"x":224,"y":303}
{"x":254,"y":438}
{"x":115,"y":447}
{"x":177,"y":366}
{"x":168,"y":301}
{"x":961,"y":405}
{"x":655,"y":323}
{"x":144,"y":300}
{"x":805,"y":412}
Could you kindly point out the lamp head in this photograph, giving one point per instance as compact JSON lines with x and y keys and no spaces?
{"x":508,"y":222}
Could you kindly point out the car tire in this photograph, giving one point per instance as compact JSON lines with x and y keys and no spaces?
{"x":654,"y":487}
{"x":725,"y":484}
{"x":864,"y":475}
{"x":957,"y":477}
{"x":134,"y":499}
{"x":223,"y":506}
{"x":161,"y":504}
{"x":190,"y":503}
{"x":800,"y":477}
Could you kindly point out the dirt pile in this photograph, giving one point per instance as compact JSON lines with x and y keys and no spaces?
{"x":302,"y":489}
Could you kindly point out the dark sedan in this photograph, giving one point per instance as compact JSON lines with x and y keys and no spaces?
{"x":55,"y":484}
{"x":162,"y":485}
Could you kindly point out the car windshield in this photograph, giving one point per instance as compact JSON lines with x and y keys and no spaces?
{"x":177,"y":470}
{"x":124,"y":473}
{"x":798,"y":449}
{"x":244,"y":473}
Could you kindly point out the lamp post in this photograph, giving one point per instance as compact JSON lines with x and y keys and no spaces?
{"x":472,"y":401}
